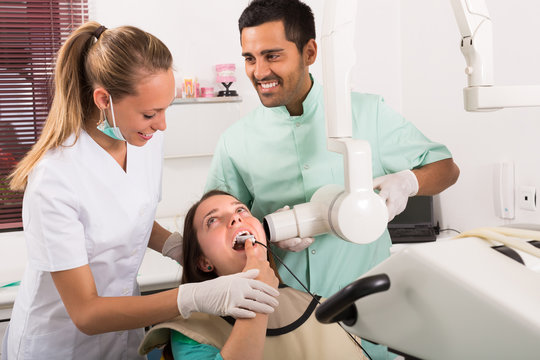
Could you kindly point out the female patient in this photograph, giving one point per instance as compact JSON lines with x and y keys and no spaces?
{"x":211,"y":228}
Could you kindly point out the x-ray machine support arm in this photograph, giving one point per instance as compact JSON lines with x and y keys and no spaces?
{"x":481,"y":94}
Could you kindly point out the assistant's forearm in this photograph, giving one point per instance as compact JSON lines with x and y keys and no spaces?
{"x":106,"y":314}
{"x":436,"y":177}
{"x":247,"y":339}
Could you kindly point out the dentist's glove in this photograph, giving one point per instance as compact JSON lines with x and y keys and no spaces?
{"x":293,"y":244}
{"x":395,"y":190}
{"x":237,"y":295}
{"x":173,"y":247}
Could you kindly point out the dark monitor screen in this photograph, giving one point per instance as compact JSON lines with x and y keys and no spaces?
{"x":419,"y":210}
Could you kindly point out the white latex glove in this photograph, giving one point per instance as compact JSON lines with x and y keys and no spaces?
{"x":293,"y":244}
{"x":173,"y":247}
{"x":238,"y":295}
{"x":395,"y":190}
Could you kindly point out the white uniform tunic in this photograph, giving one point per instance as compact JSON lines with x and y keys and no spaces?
{"x":80,"y":207}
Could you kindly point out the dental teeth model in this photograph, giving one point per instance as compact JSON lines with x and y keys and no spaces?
{"x":225,"y":76}
{"x":241,"y":238}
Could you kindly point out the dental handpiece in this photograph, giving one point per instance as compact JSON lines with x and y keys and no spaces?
{"x":241,"y":240}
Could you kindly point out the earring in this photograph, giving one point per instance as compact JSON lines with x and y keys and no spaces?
{"x":209,"y":267}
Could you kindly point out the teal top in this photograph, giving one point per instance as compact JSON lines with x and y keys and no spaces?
{"x":270,"y":159}
{"x":186,"y":348}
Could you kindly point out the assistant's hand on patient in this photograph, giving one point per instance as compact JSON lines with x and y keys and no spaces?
{"x":395,"y":190}
{"x":238,"y":295}
{"x":293,"y":244}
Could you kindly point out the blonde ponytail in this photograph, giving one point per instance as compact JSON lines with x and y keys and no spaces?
{"x":115,"y":61}
{"x":66,"y":113}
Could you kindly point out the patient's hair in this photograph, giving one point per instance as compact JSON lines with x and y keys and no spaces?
{"x":192,"y":251}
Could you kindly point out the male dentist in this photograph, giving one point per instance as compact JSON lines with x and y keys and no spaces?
{"x":277,"y":155}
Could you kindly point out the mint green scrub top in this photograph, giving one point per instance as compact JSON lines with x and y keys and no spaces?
{"x":270,"y":159}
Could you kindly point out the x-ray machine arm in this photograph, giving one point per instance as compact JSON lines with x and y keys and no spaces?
{"x":481,"y":94}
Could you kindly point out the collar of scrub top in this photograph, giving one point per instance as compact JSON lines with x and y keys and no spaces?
{"x":308,"y":103}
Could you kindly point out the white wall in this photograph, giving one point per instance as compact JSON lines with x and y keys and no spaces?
{"x":432,"y":69}
{"x":378,"y":54}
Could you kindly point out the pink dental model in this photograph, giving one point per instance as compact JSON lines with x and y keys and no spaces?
{"x":225,"y":76}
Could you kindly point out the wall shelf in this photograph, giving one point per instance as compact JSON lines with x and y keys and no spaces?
{"x":207,"y":100}
{"x":187,"y":156}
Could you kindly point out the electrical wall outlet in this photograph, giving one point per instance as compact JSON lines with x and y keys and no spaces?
{"x":527,"y":198}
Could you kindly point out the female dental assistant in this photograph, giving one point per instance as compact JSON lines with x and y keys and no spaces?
{"x":92,"y":184}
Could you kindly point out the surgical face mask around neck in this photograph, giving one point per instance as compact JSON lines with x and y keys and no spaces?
{"x":105,"y":127}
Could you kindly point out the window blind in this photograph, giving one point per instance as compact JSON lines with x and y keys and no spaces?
{"x":31,"y":33}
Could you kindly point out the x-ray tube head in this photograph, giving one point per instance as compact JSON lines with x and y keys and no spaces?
{"x":303,"y":220}
{"x":356,"y":217}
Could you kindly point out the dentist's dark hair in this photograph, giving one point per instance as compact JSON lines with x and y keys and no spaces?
{"x":191,"y":249}
{"x":296,"y":16}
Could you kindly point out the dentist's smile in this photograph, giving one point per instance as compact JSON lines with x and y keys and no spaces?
{"x":267,"y":85}
{"x":145,"y":136}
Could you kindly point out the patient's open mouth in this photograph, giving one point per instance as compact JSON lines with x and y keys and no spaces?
{"x":240,"y":240}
